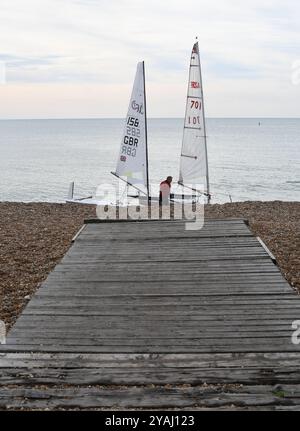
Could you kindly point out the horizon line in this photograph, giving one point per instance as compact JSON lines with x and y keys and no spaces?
{"x":149,"y":118}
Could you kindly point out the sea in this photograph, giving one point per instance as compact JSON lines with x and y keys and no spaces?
{"x":253,"y":159}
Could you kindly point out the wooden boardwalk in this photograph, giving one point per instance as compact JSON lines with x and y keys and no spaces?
{"x":134,"y":304}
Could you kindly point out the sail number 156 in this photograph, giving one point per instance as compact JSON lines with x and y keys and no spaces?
{"x":134,"y":122}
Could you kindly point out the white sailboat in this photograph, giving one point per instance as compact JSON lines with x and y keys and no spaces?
{"x":132,"y":163}
{"x":193,"y":159}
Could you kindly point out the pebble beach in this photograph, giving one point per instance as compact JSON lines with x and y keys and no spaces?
{"x":35,"y":236}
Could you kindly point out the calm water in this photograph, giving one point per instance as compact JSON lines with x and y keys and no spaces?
{"x":38,"y":158}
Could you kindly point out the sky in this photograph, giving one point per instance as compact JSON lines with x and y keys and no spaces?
{"x":77,"y":58}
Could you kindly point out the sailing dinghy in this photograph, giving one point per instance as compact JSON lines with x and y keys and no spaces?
{"x":132,"y":163}
{"x":193,"y":158}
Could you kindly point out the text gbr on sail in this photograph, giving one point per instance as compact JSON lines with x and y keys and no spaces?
{"x":131,"y":139}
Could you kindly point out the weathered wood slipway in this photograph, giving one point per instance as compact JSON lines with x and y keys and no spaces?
{"x":151,"y":315}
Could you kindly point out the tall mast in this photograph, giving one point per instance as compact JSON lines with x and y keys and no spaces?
{"x":146,"y":136}
{"x":204,"y":127}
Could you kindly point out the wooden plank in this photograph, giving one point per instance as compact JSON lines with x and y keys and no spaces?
{"x":151,"y":325}
{"x":93,"y":240}
{"x":231,"y":314}
{"x":178,"y":254}
{"x":229,"y":220}
{"x":161,"y":224}
{"x":271,"y":255}
{"x":194,"y":245}
{"x":200,"y":343}
{"x":250,"y":241}
{"x":260,"y":263}
{"x":78,"y":233}
{"x":149,"y":330}
{"x":98,"y":293}
{"x":157,"y":346}
{"x":170,"y":304}
{"x":213,"y":281}
{"x":119,"y":361}
{"x":205,"y":280}
{"x":158,"y":397}
{"x":143,"y":376}
{"x":133,"y":224}
{"x":218,"y":288}
{"x":171,"y":230}
{"x":209,"y":320}
{"x":283,"y":300}
{"x":114,"y":274}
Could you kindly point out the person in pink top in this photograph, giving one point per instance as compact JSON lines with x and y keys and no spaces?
{"x":165,"y":191}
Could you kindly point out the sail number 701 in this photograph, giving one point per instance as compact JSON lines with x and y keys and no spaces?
{"x":195,"y":104}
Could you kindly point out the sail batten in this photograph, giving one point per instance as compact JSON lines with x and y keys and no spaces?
{"x":193,"y":160}
{"x":132,"y":163}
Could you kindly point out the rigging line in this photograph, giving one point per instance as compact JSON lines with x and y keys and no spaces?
{"x":189,"y":157}
{"x":220,"y":193}
{"x":225,"y":194}
{"x":125,"y":191}
{"x":81,"y":199}
{"x":195,"y":128}
{"x":233,"y":196}
{"x":194,"y":190}
{"x":217,"y":193}
{"x":127,"y":182}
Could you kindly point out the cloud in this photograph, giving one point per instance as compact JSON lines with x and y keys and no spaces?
{"x":249,"y":44}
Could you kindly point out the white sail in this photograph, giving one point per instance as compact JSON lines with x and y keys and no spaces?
{"x":132,"y":164}
{"x":193,"y":161}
